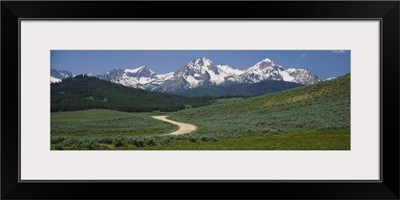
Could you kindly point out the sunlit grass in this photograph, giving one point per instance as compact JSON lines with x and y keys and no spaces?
{"x":106,"y":123}
{"x":329,"y":139}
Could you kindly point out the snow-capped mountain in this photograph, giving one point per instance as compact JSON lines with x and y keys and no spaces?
{"x":141,"y":77}
{"x":202,"y":72}
{"x":268,"y":70}
{"x":263,"y":70}
{"x":198,"y":73}
{"x":57,"y":76}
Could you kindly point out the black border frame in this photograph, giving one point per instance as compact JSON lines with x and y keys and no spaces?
{"x":386,"y":11}
{"x":197,"y":19}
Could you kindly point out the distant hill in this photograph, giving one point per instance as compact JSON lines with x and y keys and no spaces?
{"x":324,"y":105}
{"x":84,"y":92}
{"x":246,"y":89}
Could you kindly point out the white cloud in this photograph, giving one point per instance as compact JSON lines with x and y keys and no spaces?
{"x":303,"y":55}
{"x":338,"y":51}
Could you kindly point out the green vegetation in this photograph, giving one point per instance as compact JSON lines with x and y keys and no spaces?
{"x":315,"y":117}
{"x":83,"y":92}
{"x":240,"y":89}
{"x":99,"y":123}
{"x":324,"y":105}
{"x":329,"y":139}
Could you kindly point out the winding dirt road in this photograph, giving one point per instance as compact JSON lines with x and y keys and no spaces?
{"x":183,"y":128}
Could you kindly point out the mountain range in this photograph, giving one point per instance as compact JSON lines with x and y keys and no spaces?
{"x":200,"y":72}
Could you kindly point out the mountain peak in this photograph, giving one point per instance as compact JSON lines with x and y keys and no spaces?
{"x":267,"y":60}
{"x":263,"y":64}
{"x":142,"y":68}
{"x":204,"y":59}
{"x":202,"y":62}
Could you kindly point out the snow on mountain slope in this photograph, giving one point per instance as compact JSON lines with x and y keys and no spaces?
{"x":202,"y":72}
{"x":89,"y":74}
{"x":229,"y":71}
{"x":141,"y":77}
{"x":57,"y":76}
{"x":302,"y":76}
{"x":330,"y":78}
{"x":60,"y":74}
{"x":198,"y":73}
{"x":54,"y":80}
{"x":286,"y":76}
{"x":263,"y":70}
{"x":268,"y":70}
{"x":165,"y":76}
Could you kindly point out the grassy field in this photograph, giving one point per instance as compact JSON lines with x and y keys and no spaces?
{"x":98,"y":122}
{"x":327,"y":139}
{"x":320,"y":106}
{"x":335,"y":139}
{"x":315,"y":117}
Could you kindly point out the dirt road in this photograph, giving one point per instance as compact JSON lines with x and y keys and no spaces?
{"x":183,"y":128}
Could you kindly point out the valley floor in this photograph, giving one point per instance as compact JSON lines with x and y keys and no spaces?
{"x":113,"y":130}
{"x":338,"y":139}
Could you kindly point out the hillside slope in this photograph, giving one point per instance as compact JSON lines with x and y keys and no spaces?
{"x":84,"y":92}
{"x":323,"y":105}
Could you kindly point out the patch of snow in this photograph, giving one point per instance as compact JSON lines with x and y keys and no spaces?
{"x":192,"y":81}
{"x":144,"y":80}
{"x":286,"y":76}
{"x":266,"y":60}
{"x":135,"y":70}
{"x":54,"y":80}
{"x":206,"y":62}
{"x":330,"y":78}
{"x":217,"y":79}
{"x":165,"y":76}
{"x":228,"y":70}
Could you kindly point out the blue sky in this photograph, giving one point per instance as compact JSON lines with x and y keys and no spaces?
{"x":323,"y":63}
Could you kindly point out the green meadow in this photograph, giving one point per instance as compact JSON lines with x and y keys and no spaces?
{"x":314,"y":117}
